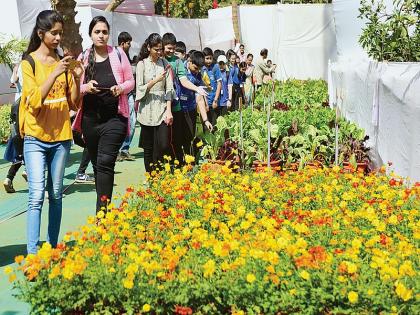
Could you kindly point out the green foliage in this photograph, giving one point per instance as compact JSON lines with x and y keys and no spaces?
{"x":391,"y":36}
{"x":295,"y":92}
{"x":302,"y":126}
{"x":4,"y":122}
{"x":199,"y":8}
{"x":11,"y":49}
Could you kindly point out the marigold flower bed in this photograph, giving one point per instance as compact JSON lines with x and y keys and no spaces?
{"x":210,"y":241}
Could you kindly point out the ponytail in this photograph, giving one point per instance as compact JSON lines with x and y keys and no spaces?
{"x":45,"y":21}
{"x":153,"y":40}
{"x":90,"y":69}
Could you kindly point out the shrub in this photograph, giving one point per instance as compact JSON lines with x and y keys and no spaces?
{"x":391,"y":36}
{"x":211,"y":241}
{"x":4,"y":122}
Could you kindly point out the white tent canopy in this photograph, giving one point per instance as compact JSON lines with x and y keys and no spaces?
{"x":143,"y":7}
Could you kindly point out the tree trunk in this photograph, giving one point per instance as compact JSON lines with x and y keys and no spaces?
{"x":113,"y":4}
{"x":71,"y":41}
{"x":235,"y":21}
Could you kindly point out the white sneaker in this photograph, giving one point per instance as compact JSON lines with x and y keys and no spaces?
{"x":25,"y":176}
{"x":8,"y":186}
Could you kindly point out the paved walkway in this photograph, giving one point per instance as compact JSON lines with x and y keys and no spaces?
{"x":78,"y":203}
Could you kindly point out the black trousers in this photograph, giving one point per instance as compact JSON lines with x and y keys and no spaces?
{"x":77,"y":138}
{"x":103,"y":140}
{"x":212,"y":115}
{"x":236,"y":95}
{"x":18,"y":144}
{"x":84,"y":162}
{"x":155,"y":141}
{"x":221,"y":111}
{"x":14,"y":168}
{"x":184,"y":134}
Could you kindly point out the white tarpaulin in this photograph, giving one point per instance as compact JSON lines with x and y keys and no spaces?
{"x":383,"y":98}
{"x":300,"y":38}
{"x":195,"y":33}
{"x":306,"y":41}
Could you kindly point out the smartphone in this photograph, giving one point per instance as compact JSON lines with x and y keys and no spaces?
{"x":102,"y":88}
{"x":73,"y":63}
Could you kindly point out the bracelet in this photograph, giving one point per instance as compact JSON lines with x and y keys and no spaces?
{"x":205,"y":121}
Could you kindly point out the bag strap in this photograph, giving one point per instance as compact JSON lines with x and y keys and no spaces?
{"x":118,"y":53}
{"x":31,"y":61}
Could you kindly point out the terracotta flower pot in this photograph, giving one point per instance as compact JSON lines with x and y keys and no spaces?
{"x":292,"y":166}
{"x":259,"y":166}
{"x":361,"y":167}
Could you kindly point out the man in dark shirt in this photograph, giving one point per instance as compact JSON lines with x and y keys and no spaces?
{"x":124,"y":41}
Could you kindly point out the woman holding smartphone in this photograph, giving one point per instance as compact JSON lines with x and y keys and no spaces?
{"x":103,"y":117}
{"x":50,"y":90}
{"x":155,"y":93}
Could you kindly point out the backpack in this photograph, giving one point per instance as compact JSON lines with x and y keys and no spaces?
{"x":175,"y":80}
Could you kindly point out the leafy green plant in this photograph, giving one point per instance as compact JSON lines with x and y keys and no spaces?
{"x":391,"y":36}
{"x":293,"y":93}
{"x":11,"y":49}
{"x":4,"y":122}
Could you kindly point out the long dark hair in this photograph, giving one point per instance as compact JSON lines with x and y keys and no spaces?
{"x":153,"y":40}
{"x":45,"y":21}
{"x":90,"y":69}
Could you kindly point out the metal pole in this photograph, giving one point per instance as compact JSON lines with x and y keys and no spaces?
{"x":241,"y":129}
{"x":336,"y":128}
{"x":269,"y":127}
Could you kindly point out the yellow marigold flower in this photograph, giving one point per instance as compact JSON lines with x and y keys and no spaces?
{"x":128,"y":283}
{"x":199,"y":144}
{"x":100,"y":214}
{"x":393,"y":220}
{"x":106,"y":237}
{"x":305,"y":275}
{"x":351,"y":267}
{"x":12,"y":277}
{"x":209,"y":268}
{"x":189,"y":159}
{"x":394,"y":308}
{"x":292,"y":291}
{"x":8,"y":270}
{"x":353,"y":297}
{"x":402,"y":292}
{"x":370,"y":292}
{"x":250,"y":277}
{"x":341,"y":278}
{"x":356,"y":243}
{"x":146,"y":308}
{"x":19,"y":259}
{"x":55,"y":271}
{"x":167,"y":167}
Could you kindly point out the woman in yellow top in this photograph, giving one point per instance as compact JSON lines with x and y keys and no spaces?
{"x":51,"y":87}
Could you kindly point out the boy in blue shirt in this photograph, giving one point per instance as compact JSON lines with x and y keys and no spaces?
{"x":236,"y":82}
{"x":189,"y":101}
{"x":179,"y":77}
{"x":212,"y":71}
{"x":224,"y":92}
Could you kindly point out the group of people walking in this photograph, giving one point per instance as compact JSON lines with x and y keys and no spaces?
{"x":165,"y":92}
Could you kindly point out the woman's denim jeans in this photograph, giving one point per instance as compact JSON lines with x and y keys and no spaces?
{"x":41,"y":156}
{"x":127,"y":142}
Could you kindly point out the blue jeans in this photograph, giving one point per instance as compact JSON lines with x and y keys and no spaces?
{"x":40,"y":155}
{"x":126,"y":144}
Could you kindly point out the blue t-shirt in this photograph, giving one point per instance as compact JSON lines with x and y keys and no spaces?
{"x":224,"y":92}
{"x":188,"y":97}
{"x":213,"y":73}
{"x":235,"y":77}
